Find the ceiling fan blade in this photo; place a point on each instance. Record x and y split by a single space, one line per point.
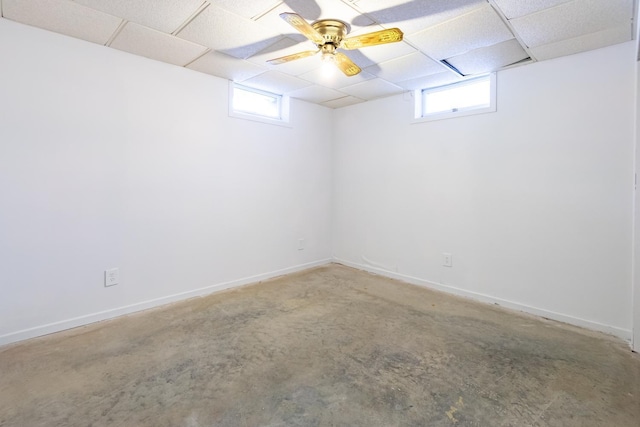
346 65
391 35
298 22
292 57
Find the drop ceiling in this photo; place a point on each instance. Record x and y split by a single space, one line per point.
444 40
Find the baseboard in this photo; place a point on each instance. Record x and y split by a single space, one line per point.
624 334
145 305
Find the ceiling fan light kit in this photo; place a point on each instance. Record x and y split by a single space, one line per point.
329 36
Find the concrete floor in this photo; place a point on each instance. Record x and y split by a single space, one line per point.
331 346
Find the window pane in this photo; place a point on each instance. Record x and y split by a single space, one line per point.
257 103
475 94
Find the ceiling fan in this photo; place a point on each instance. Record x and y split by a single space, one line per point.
329 35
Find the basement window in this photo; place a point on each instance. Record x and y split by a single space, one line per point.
473 96
258 105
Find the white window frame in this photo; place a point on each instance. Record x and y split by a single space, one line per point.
283 101
419 96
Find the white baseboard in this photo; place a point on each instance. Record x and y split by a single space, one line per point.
624 334
144 305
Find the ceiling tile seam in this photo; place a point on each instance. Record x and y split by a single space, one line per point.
261 14
506 21
387 81
193 16
207 50
196 57
437 61
117 32
515 64
361 12
355 9
340 97
452 68
335 99
565 4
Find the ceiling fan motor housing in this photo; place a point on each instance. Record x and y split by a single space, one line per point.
332 30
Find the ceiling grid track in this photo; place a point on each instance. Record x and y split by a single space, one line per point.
116 32
445 67
198 57
266 12
195 14
513 31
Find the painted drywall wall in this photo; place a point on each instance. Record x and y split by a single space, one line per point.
112 160
636 252
636 257
534 202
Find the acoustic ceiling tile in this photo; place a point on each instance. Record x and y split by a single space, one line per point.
162 15
157 45
482 27
308 9
515 8
64 17
246 9
345 101
415 16
360 57
327 9
224 66
316 94
246 51
283 47
372 89
221 30
383 52
590 41
334 78
572 19
490 58
276 82
406 68
298 67
433 80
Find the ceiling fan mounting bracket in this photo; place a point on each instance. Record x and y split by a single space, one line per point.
332 30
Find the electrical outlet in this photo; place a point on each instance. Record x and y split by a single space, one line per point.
300 244
111 277
447 259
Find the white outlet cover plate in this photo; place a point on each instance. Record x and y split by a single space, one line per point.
447 260
111 277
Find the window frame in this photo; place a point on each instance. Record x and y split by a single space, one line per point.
283 106
419 97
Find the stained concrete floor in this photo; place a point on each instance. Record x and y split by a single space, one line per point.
331 346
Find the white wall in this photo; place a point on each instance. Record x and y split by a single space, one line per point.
112 160
636 260
533 201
